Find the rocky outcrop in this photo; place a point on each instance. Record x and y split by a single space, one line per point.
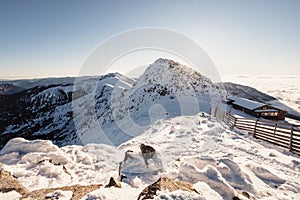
10 183
164 183
79 191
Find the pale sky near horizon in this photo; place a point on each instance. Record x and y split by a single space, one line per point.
53 38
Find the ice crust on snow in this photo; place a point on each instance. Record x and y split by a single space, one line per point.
219 162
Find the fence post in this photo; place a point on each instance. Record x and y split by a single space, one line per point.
234 122
216 109
275 128
291 138
227 118
254 131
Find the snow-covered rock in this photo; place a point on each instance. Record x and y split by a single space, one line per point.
218 162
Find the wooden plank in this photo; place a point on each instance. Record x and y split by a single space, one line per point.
286 139
266 124
275 134
296 146
245 127
274 138
273 142
295 150
296 133
285 145
286 132
291 138
296 142
278 132
246 120
286 126
279 139
295 138
273 122
280 128
245 123
265 128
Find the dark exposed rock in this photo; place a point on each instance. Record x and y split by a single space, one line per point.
164 183
113 182
246 194
79 191
147 152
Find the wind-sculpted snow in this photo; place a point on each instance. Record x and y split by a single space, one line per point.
217 162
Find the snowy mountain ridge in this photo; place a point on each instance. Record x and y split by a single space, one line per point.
68 113
166 89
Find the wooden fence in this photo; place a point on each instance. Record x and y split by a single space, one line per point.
282 134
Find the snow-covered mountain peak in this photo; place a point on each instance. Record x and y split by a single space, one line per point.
175 76
166 89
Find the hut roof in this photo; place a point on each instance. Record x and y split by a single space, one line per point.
246 103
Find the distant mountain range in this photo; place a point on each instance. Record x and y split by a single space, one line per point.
71 110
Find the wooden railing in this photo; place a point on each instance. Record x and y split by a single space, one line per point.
282 134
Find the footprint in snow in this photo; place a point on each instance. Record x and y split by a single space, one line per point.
295 162
234 176
154 130
210 125
267 177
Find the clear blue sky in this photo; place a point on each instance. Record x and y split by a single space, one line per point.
41 38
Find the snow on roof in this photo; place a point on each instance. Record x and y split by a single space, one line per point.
267 110
246 103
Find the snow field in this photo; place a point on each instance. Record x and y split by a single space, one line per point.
219 162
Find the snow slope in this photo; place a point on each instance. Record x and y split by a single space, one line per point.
166 89
219 162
